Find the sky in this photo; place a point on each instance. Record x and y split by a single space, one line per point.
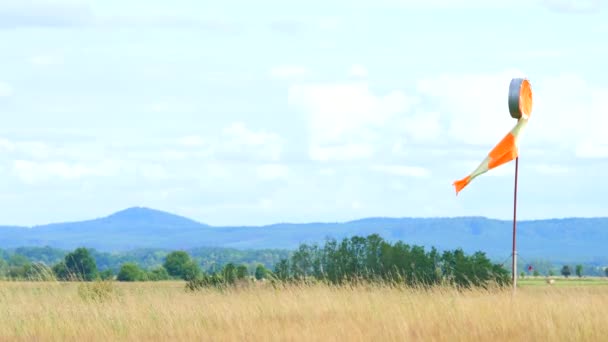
240 112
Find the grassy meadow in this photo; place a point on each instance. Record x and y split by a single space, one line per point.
566 311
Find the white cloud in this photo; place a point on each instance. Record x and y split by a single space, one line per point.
343 152
550 169
31 172
5 90
44 13
153 172
238 141
272 171
475 106
288 71
423 126
6 145
456 4
574 6
343 117
402 170
588 149
357 70
191 141
45 60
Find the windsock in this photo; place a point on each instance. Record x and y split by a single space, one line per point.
520 107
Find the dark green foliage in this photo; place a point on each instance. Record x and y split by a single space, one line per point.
80 265
205 281
179 265
158 273
176 262
131 272
261 272
229 275
373 259
106 274
242 272
606 271
281 270
566 271
61 271
579 270
3 269
18 260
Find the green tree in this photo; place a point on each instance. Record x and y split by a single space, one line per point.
107 274
3 269
80 265
566 271
130 272
191 271
242 272
61 271
229 273
579 270
179 264
261 272
606 271
536 273
281 269
18 260
157 274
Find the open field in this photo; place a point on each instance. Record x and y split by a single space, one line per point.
164 311
561 281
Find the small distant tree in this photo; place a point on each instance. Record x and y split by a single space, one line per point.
130 272
229 273
179 264
606 271
261 272
522 275
242 272
281 269
60 271
80 265
107 274
551 273
157 274
535 273
579 270
566 271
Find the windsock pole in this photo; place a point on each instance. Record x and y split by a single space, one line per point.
514 266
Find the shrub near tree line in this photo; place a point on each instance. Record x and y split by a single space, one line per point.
373 259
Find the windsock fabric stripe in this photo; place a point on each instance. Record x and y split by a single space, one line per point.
504 152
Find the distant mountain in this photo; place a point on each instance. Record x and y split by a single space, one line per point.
567 239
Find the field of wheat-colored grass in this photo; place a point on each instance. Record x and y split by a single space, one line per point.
165 311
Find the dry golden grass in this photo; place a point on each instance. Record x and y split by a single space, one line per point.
164 311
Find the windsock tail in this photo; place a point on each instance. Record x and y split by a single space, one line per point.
460 184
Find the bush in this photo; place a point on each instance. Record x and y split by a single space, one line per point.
98 291
131 272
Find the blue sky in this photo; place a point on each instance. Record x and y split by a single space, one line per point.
235 112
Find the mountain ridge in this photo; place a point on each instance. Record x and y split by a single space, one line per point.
141 227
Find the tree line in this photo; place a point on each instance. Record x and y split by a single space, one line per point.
355 259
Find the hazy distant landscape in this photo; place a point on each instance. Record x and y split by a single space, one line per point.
561 240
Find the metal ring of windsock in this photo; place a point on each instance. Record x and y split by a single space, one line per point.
520 107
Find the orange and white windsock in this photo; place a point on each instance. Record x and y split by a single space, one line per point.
520 107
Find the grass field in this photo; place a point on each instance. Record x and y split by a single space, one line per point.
164 311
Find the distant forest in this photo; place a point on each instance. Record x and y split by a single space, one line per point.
356 257
209 259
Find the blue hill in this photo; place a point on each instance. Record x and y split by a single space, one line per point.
134 228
